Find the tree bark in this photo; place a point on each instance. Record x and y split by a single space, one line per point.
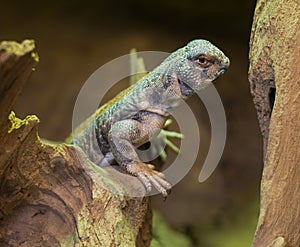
274 76
51 195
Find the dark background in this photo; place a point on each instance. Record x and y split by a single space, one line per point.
75 38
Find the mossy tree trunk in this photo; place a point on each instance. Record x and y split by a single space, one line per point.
274 76
50 195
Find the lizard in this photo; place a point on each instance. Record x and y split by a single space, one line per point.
138 71
139 113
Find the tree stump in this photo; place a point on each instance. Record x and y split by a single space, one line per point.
52 195
274 76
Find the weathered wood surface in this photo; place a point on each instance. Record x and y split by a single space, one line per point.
50 195
274 76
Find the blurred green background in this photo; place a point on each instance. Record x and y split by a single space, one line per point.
75 38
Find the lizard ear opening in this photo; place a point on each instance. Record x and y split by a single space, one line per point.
185 89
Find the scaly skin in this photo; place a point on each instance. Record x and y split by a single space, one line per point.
139 113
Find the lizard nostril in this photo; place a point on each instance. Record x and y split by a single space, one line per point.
222 70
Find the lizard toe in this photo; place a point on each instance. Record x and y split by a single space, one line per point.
160 174
161 185
146 182
151 166
163 182
148 176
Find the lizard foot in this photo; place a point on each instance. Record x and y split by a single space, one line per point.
148 176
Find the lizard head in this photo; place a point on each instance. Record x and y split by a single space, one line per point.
199 63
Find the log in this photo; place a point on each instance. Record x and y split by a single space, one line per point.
51 194
274 76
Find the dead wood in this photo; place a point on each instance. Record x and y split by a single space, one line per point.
51 195
274 76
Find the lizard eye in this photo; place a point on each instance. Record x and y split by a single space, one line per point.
203 61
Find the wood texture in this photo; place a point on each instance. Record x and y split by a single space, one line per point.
51 195
274 76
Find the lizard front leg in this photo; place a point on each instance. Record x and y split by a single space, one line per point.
127 134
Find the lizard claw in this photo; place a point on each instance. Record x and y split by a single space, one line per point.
148 176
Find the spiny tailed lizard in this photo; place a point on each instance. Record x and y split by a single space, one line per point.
139 113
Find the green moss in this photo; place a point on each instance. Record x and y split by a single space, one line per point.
35 56
19 49
112 228
16 123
